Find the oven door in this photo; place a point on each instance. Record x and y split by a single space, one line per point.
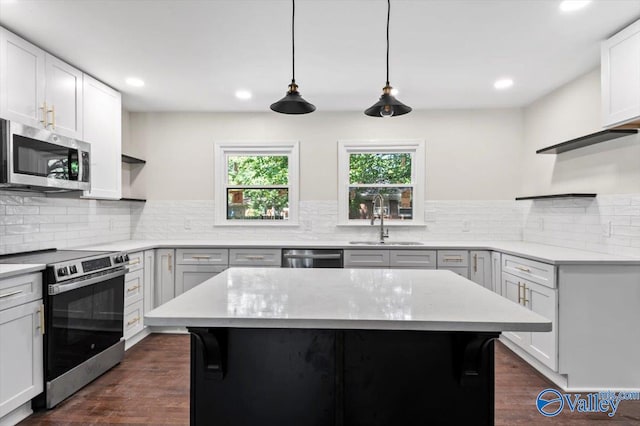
42 159
84 318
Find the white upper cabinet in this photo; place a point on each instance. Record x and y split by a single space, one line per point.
621 77
38 89
102 122
22 80
63 95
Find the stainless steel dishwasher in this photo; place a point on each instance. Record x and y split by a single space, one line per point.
312 258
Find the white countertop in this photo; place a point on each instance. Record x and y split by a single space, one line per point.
541 252
10 270
380 299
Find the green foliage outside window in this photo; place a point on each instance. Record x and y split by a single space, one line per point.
380 168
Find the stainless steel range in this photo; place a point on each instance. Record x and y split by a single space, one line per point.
84 306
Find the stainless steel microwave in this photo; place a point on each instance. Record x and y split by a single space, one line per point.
37 159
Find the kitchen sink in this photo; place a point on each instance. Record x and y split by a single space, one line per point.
386 243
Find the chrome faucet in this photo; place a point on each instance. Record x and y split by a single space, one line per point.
380 199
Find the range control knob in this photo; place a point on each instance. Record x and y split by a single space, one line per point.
73 269
62 272
126 257
119 259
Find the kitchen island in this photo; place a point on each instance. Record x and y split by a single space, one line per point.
342 346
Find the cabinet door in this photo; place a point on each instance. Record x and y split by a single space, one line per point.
149 274
543 301
133 287
102 129
22 80
255 257
620 73
418 259
189 276
366 259
63 94
164 276
496 271
512 290
480 269
21 355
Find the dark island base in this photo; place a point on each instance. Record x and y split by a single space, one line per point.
303 377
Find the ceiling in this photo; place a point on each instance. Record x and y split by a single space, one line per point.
194 54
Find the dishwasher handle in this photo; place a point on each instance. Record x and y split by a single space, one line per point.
313 256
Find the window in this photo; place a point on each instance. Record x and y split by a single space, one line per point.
257 183
392 169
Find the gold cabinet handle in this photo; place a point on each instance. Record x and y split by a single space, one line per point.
452 259
13 293
519 293
475 262
255 257
134 288
523 269
200 257
133 321
524 295
53 116
169 261
134 261
40 325
45 114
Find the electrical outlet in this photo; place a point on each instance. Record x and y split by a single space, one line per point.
606 229
466 226
187 223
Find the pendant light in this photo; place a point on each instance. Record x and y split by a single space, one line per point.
388 105
293 103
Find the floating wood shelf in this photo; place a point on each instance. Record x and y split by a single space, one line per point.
594 138
132 160
142 200
542 197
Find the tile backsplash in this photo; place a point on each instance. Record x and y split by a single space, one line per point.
607 224
32 221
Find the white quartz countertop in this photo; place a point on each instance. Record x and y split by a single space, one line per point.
541 252
380 299
10 270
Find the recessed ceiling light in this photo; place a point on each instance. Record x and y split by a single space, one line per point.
503 83
243 94
135 82
573 5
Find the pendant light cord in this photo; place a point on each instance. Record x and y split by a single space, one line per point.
388 16
293 42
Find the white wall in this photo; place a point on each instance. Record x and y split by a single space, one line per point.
470 155
572 111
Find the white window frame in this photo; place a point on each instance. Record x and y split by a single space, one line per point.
224 149
416 147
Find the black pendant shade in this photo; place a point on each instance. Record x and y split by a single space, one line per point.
293 103
387 105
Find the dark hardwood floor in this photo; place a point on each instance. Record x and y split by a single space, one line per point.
151 387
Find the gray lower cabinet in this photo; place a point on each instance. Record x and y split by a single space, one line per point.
454 260
496 271
414 259
149 279
255 257
189 276
164 276
480 268
366 258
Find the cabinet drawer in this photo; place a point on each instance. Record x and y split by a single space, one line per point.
460 270
254 257
15 291
541 273
455 258
200 256
133 319
366 258
133 286
136 261
425 259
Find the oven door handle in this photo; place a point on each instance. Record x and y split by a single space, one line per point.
62 288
